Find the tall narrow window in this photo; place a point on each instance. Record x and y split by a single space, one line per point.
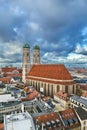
66 89
58 88
73 89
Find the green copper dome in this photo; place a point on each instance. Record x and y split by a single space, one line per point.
26 46
36 47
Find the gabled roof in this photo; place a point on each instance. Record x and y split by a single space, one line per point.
49 117
5 79
83 87
51 72
1 126
31 96
62 95
9 69
82 113
14 75
70 118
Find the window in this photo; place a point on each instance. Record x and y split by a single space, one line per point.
27 54
66 89
58 88
84 122
73 89
48 90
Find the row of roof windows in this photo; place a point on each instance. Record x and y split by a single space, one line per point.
70 121
50 124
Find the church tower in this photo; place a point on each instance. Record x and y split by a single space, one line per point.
36 55
26 62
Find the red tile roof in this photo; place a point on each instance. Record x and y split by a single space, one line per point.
5 79
84 94
14 75
1 126
26 89
48 118
31 96
50 73
20 71
8 69
69 114
46 98
83 87
62 95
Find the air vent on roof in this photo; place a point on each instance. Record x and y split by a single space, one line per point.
75 120
48 124
53 123
43 126
58 122
70 121
65 122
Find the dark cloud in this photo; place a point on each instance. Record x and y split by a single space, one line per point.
55 25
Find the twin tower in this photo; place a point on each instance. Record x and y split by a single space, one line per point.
26 64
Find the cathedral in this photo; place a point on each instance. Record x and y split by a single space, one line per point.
46 78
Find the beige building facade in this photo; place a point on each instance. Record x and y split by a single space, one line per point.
49 89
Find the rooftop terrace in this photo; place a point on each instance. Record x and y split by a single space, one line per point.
21 121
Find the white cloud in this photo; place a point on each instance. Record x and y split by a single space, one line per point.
77 58
34 26
84 31
70 59
13 48
81 48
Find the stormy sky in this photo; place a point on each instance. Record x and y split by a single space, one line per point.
59 27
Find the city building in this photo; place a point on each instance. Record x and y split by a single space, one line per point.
10 75
77 101
10 72
36 107
83 89
8 105
49 121
46 78
5 80
32 95
82 116
63 120
62 98
19 121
